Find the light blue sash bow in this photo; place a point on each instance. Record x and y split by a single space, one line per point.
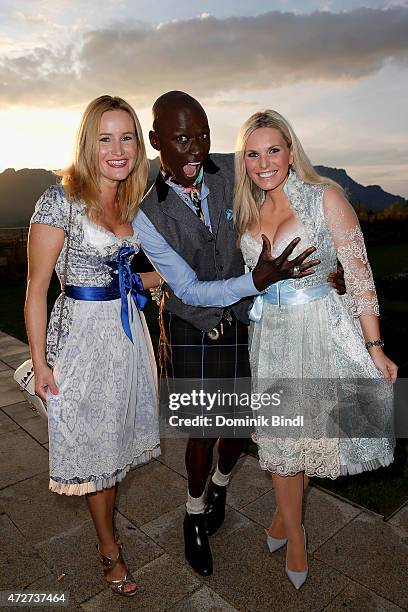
284 293
124 281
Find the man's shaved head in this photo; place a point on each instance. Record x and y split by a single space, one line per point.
181 134
170 103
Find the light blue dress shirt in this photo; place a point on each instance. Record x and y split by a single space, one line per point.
178 274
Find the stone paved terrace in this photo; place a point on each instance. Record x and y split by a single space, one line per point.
357 561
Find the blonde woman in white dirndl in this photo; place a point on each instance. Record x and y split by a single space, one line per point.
95 365
322 349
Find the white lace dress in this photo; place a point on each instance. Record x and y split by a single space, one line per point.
315 352
104 419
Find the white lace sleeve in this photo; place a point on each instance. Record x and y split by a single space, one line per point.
348 239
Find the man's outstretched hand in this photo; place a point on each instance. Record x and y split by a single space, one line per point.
269 270
336 280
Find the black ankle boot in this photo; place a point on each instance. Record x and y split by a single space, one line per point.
214 507
197 549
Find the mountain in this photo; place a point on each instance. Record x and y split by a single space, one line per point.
373 196
19 190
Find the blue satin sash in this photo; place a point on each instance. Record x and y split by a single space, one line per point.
124 281
284 293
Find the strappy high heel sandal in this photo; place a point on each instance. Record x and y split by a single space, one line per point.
117 586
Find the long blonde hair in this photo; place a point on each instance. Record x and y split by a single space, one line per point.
247 195
80 180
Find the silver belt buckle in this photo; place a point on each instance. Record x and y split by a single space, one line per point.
213 334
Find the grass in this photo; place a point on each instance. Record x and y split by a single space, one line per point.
382 491
12 305
387 259
393 305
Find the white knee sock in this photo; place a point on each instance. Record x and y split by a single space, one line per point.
220 479
195 505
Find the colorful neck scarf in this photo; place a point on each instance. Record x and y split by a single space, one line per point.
193 191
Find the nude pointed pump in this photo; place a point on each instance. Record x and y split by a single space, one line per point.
275 544
298 578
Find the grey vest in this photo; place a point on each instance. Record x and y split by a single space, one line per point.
212 255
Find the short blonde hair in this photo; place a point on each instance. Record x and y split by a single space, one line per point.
80 180
247 195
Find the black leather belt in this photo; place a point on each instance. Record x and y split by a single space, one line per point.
224 324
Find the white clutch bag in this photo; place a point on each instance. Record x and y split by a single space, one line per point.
24 376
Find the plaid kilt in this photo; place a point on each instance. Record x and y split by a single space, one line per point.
221 364
193 355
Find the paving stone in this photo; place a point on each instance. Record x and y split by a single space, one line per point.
15 354
21 412
20 458
252 579
167 530
172 454
204 600
248 482
16 360
37 427
20 564
9 343
50 584
9 390
73 553
161 584
356 598
6 424
150 491
400 519
324 514
53 514
372 552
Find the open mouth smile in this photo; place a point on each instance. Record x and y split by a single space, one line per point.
116 163
191 168
268 174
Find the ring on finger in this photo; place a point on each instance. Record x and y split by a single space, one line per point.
296 271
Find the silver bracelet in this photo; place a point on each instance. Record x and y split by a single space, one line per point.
157 292
371 343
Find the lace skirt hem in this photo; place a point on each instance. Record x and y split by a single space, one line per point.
343 470
77 486
365 466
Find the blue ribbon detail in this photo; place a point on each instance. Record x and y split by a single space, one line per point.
285 293
124 281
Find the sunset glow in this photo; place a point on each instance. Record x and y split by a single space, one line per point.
346 98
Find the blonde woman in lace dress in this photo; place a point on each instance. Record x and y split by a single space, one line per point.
95 366
303 332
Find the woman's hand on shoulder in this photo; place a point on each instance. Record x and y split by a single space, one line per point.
384 364
44 380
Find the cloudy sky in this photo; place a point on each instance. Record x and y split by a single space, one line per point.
336 69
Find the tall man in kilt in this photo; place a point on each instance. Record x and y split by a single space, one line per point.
186 229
